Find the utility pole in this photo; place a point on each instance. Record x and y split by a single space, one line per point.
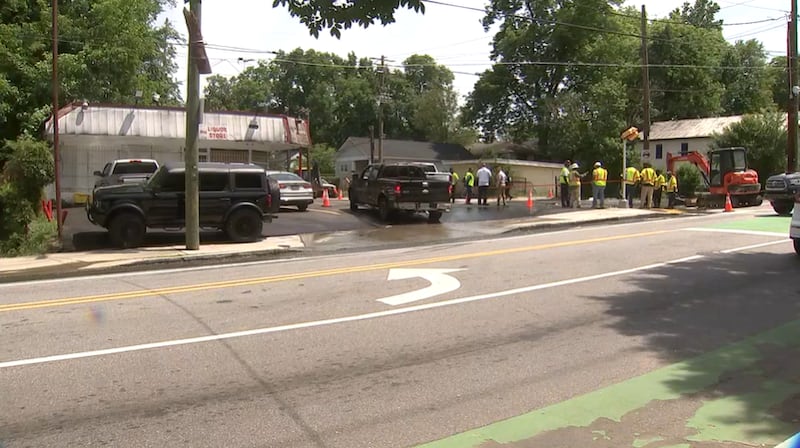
794 93
381 98
645 85
198 63
56 148
371 144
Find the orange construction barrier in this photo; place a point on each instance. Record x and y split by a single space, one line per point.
550 194
530 199
326 201
340 197
728 204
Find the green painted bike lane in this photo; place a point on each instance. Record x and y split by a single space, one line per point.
744 394
772 224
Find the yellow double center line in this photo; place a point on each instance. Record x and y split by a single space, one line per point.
304 275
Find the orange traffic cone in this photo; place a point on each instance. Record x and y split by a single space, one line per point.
341 198
326 201
550 194
728 204
530 199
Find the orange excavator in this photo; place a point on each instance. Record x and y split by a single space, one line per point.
725 172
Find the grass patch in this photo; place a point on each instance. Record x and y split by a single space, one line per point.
40 238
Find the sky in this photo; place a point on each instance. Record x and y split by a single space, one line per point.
250 29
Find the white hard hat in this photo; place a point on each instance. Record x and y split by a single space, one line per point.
598 164
574 166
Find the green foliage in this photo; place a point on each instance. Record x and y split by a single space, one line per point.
324 155
39 238
319 14
108 49
689 180
778 82
28 170
747 90
341 96
765 138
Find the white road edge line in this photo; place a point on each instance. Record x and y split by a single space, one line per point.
752 246
333 321
323 257
739 231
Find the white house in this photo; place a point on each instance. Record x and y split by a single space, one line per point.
681 136
91 135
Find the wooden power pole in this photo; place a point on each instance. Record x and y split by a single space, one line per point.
645 85
56 146
381 102
198 63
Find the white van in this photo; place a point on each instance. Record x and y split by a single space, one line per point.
794 228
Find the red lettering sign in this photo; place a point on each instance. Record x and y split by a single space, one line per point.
217 132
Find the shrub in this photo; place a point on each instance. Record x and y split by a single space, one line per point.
689 180
28 169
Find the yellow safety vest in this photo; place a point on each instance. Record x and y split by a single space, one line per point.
454 178
599 176
672 184
470 179
648 176
564 175
574 179
661 181
631 175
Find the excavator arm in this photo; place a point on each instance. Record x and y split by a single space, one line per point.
693 157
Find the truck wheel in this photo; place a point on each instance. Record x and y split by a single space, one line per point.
434 217
244 226
783 207
797 245
383 209
127 230
302 207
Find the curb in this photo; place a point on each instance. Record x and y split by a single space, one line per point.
561 225
147 264
793 442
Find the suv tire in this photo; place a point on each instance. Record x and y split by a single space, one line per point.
796 245
244 225
434 217
302 207
127 230
783 207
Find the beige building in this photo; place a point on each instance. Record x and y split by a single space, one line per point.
539 177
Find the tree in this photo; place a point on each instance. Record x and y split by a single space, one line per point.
765 137
745 78
319 14
701 14
779 82
108 49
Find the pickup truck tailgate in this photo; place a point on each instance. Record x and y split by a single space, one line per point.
422 191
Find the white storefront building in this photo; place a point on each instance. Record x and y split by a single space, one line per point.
92 135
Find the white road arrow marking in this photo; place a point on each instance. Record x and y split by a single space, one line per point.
441 283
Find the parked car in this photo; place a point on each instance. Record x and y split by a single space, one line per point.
294 190
401 186
124 171
325 185
235 198
432 171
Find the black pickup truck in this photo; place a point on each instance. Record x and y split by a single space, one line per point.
393 187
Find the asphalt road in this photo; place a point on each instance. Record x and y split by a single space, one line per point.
302 353
81 235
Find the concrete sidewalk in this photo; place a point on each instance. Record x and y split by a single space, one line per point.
64 264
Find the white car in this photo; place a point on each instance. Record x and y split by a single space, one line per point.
794 228
294 190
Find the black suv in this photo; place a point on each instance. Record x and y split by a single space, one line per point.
235 198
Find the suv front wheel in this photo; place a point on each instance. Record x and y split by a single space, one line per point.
244 226
127 230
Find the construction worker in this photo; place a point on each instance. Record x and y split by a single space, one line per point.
599 178
502 181
631 179
575 186
453 185
469 183
563 181
660 186
484 181
648 180
672 189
